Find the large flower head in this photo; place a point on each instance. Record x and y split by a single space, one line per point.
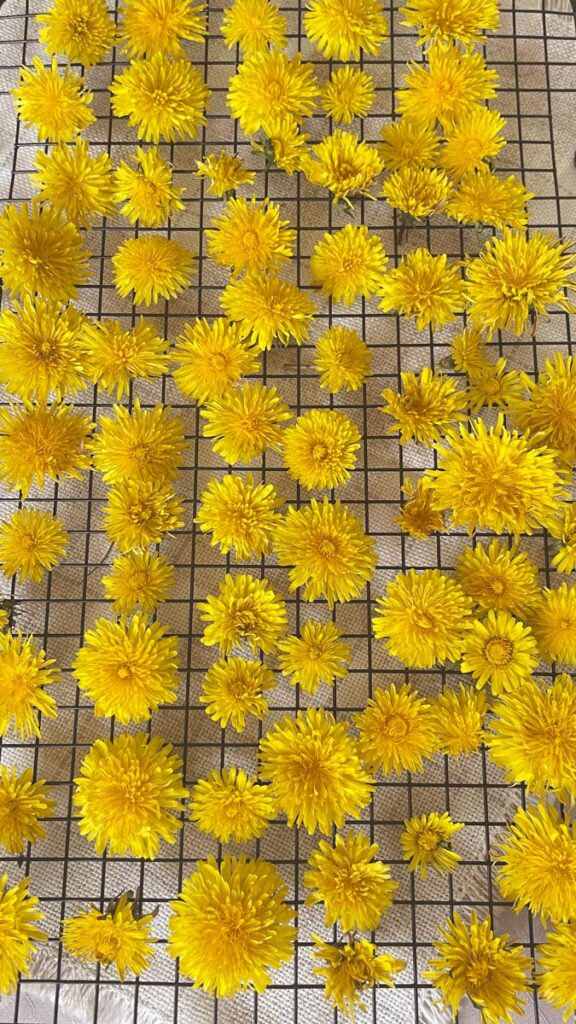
42 349
234 688
147 190
230 805
270 84
459 720
424 843
254 26
349 93
245 608
462 21
120 936
245 422
41 253
342 359
425 287
240 515
553 622
397 730
25 672
56 105
230 925
320 449
19 916
343 164
153 267
329 552
408 142
268 309
317 656
139 514
39 442
448 86
471 140
556 969
428 406
211 358
351 968
417 191
75 183
82 30
224 171
340 29
139 579
485 198
355 888
114 356
22 803
348 264
142 446
314 769
499 651
250 236
548 406
164 99
149 27
31 543
128 795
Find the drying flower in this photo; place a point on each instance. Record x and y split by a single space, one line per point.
229 805
565 558
41 252
129 795
349 93
31 543
158 26
230 925
245 422
56 105
240 515
147 190
348 264
350 969
245 608
25 671
42 349
144 446
498 577
408 143
22 803
317 656
467 350
472 139
224 171
211 358
283 143
485 198
249 236
39 441
447 87
115 356
341 30
138 579
80 29
253 25
425 287
424 843
500 651
549 408
428 406
164 99
268 309
490 386
139 514
423 618
119 937
75 183
463 21
234 688
553 622
270 84
417 517
329 552
18 918
356 889
343 164
320 449
153 267
459 720
342 359
396 731
556 976
417 191
315 772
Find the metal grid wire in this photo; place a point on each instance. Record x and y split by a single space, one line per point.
532 53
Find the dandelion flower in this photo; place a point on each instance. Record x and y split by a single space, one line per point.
39 441
115 356
250 236
240 515
56 105
427 407
408 143
42 349
424 843
343 164
211 358
139 514
340 30
329 552
467 350
463 21
491 386
120 937
425 287
472 139
245 422
417 191
229 805
138 580
498 577
484 198
459 720
153 267
315 772
349 93
224 171
253 25
342 359
447 87
41 252
499 650
356 889
270 84
147 190
565 558
150 27
553 622
417 517
234 688
80 29
556 975
423 618
22 803
245 608
396 731
317 656
352 968
320 449
75 183
549 407
19 915
143 446
268 309
230 925
25 671
31 543
282 143
348 264
164 99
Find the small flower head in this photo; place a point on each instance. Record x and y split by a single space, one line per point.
245 422
138 580
230 805
425 287
449 85
25 671
553 622
240 515
153 267
356 889
317 656
142 446
319 451
268 309
342 359
349 93
163 99
396 731
498 577
282 143
549 406
114 356
56 105
41 252
471 140
352 968
340 30
39 442
490 385
428 406
408 142
484 198
75 183
254 26
500 651
459 720
211 358
247 609
22 803
150 27
348 264
461 21
250 236
417 517
343 164
42 350
224 171
424 843
417 191
270 84
31 543
234 688
19 916
468 350
556 972
82 30
147 190
118 937
139 514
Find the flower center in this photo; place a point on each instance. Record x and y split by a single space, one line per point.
478 969
140 514
499 651
245 621
428 840
425 621
396 727
328 548
496 586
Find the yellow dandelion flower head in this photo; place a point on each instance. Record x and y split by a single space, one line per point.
143 445
396 731
549 407
56 105
498 577
556 975
211 358
314 769
283 143
25 672
31 543
348 264
467 350
424 843
423 618
75 183
340 29
41 441
42 349
163 98
342 359
330 554
253 25
230 925
463 21
22 803
268 309
470 140
230 805
499 651
493 478
343 164
317 656
153 267
356 889
553 622
428 405
240 515
225 172
320 449
147 189
447 86
234 688
19 915
245 608
41 253
245 422
114 356
417 191
491 386
119 937
250 236
138 580
417 517
82 30
348 93
150 27
537 863
459 720
484 198
565 558
271 81
424 287
408 142
471 960
350 969
139 513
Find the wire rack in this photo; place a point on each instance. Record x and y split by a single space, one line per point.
533 53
